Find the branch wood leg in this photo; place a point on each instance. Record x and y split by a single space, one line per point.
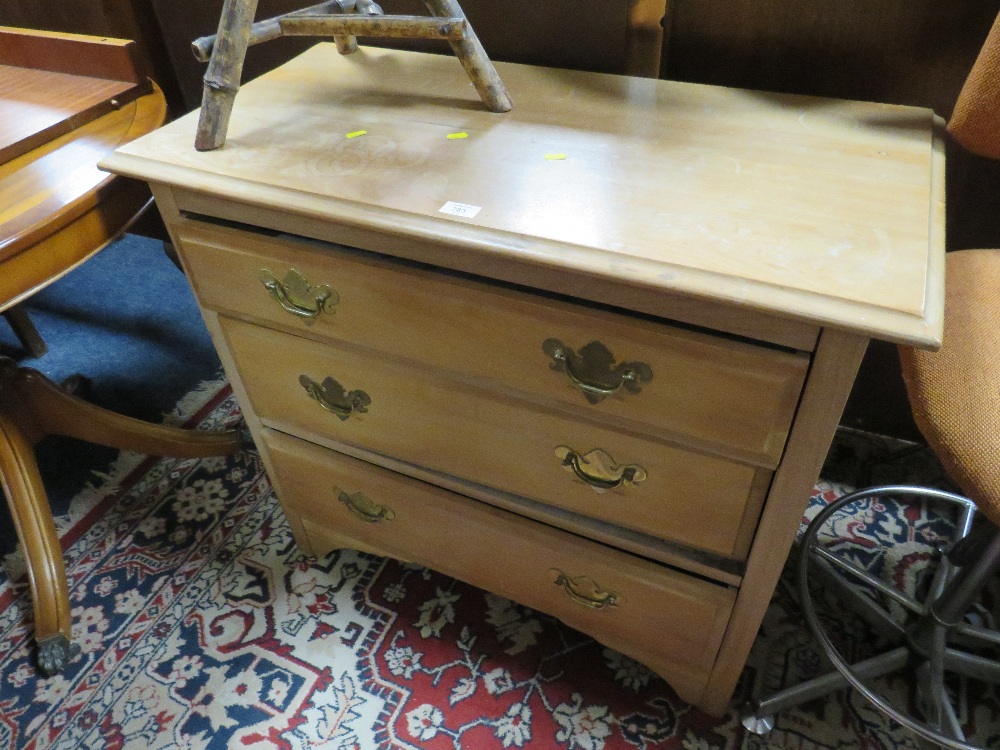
222 79
265 31
474 59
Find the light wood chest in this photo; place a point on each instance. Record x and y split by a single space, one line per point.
605 394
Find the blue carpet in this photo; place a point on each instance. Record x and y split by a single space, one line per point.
127 320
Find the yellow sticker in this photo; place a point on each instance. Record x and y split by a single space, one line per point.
456 136
356 133
554 157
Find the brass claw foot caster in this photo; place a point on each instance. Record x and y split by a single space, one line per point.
54 653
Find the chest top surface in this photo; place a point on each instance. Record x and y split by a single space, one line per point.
823 210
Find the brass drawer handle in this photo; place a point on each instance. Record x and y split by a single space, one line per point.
599 470
585 591
364 507
594 372
296 295
333 397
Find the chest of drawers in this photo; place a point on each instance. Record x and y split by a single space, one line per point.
607 392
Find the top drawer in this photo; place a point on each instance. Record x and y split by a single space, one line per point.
729 397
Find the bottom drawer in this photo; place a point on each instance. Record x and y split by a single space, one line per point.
669 620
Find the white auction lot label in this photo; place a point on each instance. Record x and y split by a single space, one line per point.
460 209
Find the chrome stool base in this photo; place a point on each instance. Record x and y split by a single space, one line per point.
925 648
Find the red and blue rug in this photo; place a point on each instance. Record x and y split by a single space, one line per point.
202 626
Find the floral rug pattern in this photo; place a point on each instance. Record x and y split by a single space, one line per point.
202 626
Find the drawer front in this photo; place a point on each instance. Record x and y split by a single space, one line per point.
420 418
715 394
626 602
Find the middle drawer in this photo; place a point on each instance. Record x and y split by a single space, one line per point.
314 389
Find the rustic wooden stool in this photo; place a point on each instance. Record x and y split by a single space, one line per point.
344 20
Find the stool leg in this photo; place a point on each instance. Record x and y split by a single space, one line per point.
37 533
961 592
222 79
346 45
929 635
474 59
760 718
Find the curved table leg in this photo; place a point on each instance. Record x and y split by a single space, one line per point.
31 407
56 412
37 533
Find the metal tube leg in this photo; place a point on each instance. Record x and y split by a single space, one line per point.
938 709
971 665
760 721
872 613
963 590
936 696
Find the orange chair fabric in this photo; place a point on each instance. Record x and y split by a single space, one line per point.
975 123
955 392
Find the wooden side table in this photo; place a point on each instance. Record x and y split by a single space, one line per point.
66 102
589 356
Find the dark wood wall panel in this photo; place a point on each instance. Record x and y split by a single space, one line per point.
899 51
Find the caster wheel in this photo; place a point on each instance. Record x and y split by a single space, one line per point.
755 723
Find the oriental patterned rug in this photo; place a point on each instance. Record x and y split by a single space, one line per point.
201 626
